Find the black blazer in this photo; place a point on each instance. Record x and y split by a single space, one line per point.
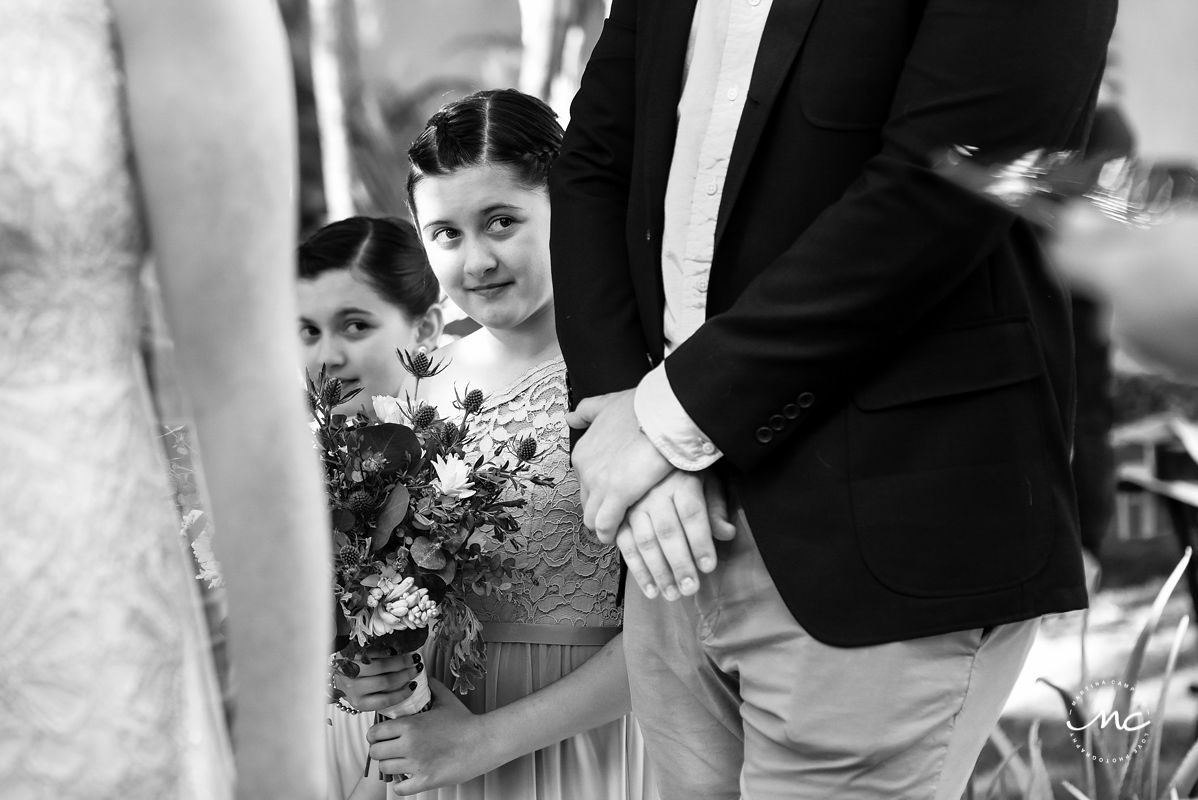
886 362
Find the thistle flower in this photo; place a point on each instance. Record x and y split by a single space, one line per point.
472 403
526 448
453 477
350 556
423 416
359 502
419 365
450 433
330 392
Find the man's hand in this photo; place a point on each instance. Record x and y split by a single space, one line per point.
616 463
671 530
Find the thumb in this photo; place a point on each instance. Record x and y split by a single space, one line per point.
722 527
584 413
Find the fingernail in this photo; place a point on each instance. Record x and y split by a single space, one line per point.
671 593
412 686
419 668
688 585
650 592
707 563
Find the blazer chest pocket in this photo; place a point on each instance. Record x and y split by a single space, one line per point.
851 62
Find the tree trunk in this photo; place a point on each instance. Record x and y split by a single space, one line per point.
327 19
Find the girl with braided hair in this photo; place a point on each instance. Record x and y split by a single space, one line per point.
550 720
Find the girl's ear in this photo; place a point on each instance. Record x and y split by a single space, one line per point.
429 327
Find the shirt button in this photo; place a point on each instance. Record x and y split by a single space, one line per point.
806 399
790 411
708 448
754 3
732 93
701 285
765 435
712 188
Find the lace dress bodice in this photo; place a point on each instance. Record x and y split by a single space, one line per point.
577 577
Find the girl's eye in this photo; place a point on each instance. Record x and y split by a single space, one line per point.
309 334
356 327
444 235
500 223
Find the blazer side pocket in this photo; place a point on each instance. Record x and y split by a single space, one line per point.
949 466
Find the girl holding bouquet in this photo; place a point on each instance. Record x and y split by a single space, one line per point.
365 289
550 719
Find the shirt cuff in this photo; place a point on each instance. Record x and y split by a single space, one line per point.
667 425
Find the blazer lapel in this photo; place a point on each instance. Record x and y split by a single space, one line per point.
785 30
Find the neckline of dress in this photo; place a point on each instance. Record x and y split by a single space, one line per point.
495 399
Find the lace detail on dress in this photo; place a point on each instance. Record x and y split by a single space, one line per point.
577 576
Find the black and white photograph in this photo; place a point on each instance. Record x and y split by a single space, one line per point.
598 399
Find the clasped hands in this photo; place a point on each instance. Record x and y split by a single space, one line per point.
446 745
664 520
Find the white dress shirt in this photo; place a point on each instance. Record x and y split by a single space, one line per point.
720 54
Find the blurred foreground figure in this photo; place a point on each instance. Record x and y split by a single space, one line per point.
127 127
1148 275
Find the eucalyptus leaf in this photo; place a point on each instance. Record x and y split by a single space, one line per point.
428 554
344 519
393 513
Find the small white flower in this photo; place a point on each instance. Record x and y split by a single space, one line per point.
206 560
453 477
387 409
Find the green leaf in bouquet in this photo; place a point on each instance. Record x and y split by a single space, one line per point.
427 553
447 572
395 444
393 513
452 541
344 520
421 522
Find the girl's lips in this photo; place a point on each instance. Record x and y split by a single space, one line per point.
489 289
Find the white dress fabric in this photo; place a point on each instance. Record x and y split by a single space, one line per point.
106 680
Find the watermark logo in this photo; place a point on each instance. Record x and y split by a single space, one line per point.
1133 725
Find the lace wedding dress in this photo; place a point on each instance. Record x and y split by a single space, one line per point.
550 627
106 685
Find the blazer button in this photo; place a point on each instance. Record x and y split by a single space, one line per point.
790 411
765 435
777 422
806 399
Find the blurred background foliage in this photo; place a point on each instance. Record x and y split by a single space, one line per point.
369 73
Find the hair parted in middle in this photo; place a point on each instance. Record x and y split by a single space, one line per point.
496 127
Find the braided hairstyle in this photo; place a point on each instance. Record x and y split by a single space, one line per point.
386 252
494 127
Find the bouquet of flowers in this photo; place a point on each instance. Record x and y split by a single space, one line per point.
420 520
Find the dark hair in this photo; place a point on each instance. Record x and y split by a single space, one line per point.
496 127
386 251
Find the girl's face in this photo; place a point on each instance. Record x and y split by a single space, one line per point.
347 326
487 239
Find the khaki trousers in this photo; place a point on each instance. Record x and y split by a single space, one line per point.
736 700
